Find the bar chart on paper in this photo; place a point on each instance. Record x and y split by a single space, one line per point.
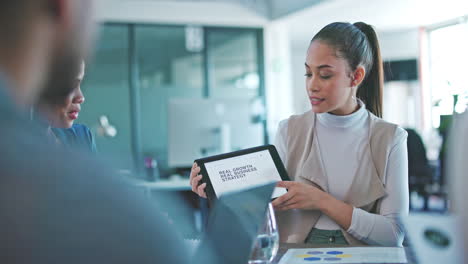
344 255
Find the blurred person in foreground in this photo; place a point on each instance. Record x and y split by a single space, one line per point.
58 206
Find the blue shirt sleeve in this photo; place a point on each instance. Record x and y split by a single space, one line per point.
77 137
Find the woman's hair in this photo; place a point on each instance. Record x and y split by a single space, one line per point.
358 44
56 96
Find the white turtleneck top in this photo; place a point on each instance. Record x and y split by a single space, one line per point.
342 141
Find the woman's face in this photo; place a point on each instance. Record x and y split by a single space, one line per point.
67 113
328 80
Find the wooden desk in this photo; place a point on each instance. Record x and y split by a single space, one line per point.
284 247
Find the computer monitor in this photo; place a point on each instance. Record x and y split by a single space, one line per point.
204 127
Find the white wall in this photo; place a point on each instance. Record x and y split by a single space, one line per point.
385 15
278 81
300 100
161 12
402 101
400 44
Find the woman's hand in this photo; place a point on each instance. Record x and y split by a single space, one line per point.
299 196
195 178
308 197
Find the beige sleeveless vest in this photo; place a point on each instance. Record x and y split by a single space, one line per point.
305 165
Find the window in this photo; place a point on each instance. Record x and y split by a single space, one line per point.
448 55
233 63
106 89
138 68
166 69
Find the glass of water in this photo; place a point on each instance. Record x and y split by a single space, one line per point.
267 242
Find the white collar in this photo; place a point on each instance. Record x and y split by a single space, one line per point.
345 121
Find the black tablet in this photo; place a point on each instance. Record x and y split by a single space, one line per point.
235 171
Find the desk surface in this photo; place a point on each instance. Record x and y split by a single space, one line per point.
284 247
176 184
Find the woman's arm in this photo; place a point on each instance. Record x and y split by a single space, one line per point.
384 228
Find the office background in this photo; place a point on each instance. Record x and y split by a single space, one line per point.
153 52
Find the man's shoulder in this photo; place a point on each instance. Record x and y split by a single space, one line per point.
48 190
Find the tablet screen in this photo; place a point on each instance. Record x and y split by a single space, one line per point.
245 171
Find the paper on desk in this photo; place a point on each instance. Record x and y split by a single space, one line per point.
344 255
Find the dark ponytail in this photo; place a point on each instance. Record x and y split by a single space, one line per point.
358 44
371 90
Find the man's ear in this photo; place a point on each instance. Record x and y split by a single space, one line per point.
358 76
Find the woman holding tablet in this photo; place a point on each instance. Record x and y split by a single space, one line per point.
349 167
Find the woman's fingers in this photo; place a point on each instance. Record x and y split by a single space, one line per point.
195 182
193 174
280 201
194 171
195 178
289 205
201 190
